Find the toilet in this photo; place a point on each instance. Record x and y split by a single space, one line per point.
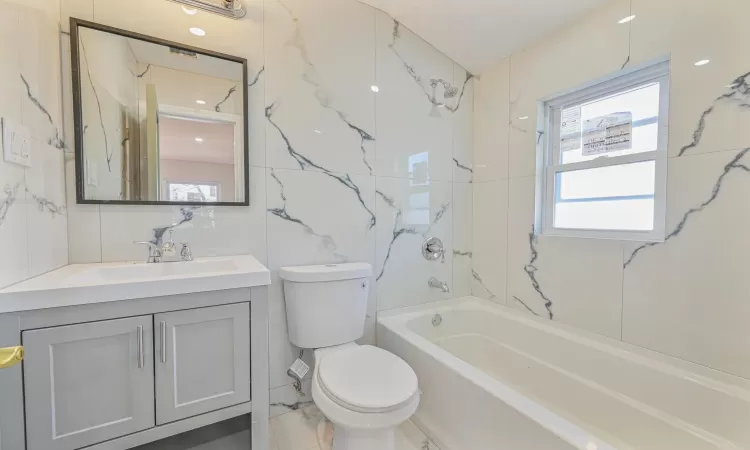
365 391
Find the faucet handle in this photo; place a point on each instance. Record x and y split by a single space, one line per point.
154 254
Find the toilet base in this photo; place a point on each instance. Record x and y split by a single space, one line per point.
352 439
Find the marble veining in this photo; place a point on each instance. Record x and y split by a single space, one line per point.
46 204
450 91
257 77
145 71
187 216
10 192
398 231
231 91
627 61
531 270
457 252
55 141
107 153
462 166
326 241
480 280
305 162
293 406
310 76
526 306
739 92
733 165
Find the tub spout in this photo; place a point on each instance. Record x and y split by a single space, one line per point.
437 284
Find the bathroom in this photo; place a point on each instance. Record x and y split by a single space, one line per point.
410 146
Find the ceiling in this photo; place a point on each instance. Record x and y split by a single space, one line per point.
479 33
177 141
159 55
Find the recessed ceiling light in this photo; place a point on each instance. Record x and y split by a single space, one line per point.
702 62
199 139
375 88
189 11
200 102
523 117
197 31
627 19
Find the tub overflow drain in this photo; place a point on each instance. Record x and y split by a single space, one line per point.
437 319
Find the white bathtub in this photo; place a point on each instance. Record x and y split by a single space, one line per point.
495 378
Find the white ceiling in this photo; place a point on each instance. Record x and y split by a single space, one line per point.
177 141
159 55
479 33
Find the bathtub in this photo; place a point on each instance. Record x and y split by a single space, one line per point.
494 378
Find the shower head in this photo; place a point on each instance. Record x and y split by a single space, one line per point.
227 8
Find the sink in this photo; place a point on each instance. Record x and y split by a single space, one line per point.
160 270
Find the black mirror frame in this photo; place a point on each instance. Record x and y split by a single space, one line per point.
78 112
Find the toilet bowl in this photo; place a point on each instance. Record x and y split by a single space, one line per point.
366 392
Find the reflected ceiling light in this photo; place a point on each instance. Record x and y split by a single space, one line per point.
200 102
523 117
702 62
189 11
627 19
197 31
375 88
199 139
318 131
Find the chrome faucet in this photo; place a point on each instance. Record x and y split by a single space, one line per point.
437 284
158 250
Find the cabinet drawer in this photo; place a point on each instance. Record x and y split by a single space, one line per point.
202 360
88 383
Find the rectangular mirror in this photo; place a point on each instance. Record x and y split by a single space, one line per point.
157 122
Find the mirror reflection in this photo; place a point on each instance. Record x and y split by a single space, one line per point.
157 122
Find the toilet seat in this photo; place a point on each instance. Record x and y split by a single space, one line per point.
367 379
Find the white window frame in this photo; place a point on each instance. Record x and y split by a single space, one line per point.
548 151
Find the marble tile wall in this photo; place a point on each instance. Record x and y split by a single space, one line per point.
33 225
339 172
685 297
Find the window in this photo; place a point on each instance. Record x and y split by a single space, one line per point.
193 192
603 159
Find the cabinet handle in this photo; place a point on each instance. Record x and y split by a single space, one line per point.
163 327
139 336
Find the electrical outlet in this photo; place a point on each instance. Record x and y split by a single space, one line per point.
16 142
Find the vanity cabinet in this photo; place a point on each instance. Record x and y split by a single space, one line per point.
91 382
88 383
202 360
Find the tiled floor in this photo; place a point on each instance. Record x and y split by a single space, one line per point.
308 429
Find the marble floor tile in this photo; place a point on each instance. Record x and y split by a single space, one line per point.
308 429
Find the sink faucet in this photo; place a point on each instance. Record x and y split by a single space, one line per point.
158 250
437 284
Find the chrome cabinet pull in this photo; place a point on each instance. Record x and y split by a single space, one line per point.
139 337
163 326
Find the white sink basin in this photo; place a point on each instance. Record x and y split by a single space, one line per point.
160 270
79 284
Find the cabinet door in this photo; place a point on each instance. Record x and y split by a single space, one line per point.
203 360
88 383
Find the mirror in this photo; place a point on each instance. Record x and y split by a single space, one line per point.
157 122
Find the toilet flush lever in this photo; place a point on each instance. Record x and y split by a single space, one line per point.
433 249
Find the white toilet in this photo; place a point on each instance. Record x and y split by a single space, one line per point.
365 391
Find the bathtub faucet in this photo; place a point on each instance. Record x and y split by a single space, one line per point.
437 284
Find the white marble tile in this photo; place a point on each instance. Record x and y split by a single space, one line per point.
463 136
286 399
46 215
491 119
410 211
490 234
319 72
687 296
592 47
14 266
414 119
574 281
462 255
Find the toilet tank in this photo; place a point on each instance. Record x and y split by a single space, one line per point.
326 305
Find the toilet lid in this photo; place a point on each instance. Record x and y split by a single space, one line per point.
367 379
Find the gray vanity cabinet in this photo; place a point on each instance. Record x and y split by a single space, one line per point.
88 383
202 360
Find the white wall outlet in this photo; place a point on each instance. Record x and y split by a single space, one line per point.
16 143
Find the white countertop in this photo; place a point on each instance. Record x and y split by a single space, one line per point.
82 284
